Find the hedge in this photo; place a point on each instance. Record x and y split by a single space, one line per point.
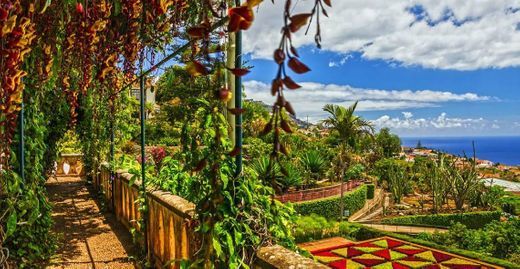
329 207
371 188
472 220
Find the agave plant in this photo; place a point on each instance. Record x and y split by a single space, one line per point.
283 177
290 177
313 163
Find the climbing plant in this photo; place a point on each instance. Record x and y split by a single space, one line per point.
87 52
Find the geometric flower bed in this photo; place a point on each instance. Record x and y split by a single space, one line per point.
391 253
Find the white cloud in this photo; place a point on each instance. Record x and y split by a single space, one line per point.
310 99
450 34
440 122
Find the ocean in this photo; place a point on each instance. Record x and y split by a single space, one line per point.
498 149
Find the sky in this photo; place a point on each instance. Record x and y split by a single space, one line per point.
418 67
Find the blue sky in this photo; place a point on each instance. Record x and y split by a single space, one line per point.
426 68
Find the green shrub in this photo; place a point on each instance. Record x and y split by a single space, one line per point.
370 191
511 204
329 207
313 227
472 220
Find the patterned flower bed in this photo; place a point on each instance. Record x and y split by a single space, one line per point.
391 253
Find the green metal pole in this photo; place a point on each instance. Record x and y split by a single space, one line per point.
112 160
21 145
143 167
238 99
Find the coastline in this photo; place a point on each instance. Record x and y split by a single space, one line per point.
497 149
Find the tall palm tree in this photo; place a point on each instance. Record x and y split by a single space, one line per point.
350 128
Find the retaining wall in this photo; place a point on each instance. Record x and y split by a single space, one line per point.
318 193
170 230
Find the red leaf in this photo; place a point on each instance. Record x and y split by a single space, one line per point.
236 111
196 69
289 108
284 150
298 21
279 56
3 14
267 129
276 85
327 2
234 23
239 71
294 51
235 152
240 18
285 126
280 101
200 165
197 32
290 84
297 66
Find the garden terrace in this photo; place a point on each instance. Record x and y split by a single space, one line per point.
173 173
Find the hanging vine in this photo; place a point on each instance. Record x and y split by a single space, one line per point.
86 52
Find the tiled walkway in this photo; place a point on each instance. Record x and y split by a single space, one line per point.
88 238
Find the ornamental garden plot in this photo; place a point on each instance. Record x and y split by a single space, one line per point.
390 253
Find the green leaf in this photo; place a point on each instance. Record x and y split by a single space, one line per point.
231 246
217 247
47 4
11 224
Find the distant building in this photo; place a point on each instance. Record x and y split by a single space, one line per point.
149 96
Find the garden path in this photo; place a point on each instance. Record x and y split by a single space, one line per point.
87 236
403 229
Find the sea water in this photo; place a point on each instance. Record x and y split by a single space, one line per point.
498 149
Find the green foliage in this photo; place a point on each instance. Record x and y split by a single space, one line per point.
389 143
499 239
255 148
348 126
396 175
313 163
370 191
29 220
284 177
173 178
69 144
354 172
329 207
511 204
472 220
312 227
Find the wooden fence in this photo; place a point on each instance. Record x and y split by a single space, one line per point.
170 233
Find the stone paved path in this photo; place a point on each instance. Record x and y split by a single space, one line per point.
88 238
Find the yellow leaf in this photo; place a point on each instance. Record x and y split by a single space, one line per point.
9 26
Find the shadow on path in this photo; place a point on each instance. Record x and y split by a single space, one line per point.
87 237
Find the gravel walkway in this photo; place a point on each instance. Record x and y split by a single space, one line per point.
88 238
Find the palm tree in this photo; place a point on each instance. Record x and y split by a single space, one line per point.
349 128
